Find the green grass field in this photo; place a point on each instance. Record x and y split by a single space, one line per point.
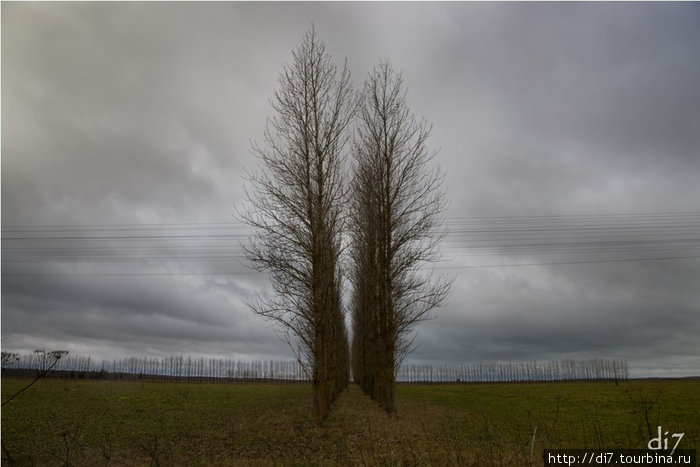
62 422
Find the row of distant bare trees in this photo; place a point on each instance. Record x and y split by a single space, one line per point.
303 209
172 367
554 370
201 369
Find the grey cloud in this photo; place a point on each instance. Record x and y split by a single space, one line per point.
579 311
160 313
128 113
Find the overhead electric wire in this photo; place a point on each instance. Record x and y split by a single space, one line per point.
555 263
577 239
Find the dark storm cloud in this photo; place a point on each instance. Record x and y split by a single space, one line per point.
551 314
562 104
142 113
98 99
164 313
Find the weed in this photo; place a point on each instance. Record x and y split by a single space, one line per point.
648 405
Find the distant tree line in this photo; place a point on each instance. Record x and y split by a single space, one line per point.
201 369
554 370
174 367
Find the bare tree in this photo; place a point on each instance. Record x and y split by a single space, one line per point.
9 357
397 204
47 360
296 206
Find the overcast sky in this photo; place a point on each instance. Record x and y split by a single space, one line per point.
569 135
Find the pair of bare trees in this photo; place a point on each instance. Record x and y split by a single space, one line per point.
302 209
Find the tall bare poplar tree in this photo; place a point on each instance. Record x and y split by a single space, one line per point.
397 204
295 207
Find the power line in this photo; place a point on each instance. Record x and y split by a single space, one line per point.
554 263
235 273
670 235
129 274
659 216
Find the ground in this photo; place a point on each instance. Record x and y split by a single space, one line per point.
68 422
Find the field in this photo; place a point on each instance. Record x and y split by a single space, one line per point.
69 422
